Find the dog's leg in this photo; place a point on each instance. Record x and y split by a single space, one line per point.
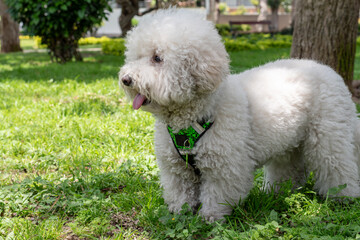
330 153
222 187
285 167
180 185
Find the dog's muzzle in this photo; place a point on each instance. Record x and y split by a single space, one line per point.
139 100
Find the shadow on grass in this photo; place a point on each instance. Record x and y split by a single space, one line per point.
98 204
38 67
82 192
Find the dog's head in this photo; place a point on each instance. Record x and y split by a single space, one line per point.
171 57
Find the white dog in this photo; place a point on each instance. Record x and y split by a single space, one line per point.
291 116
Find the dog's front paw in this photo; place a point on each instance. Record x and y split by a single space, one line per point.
174 208
212 216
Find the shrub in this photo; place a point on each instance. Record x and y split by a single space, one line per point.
114 47
241 10
224 29
82 41
93 40
236 45
223 7
249 42
59 23
38 43
134 22
257 41
25 37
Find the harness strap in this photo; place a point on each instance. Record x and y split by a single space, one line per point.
184 141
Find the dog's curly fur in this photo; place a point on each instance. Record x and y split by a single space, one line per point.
291 116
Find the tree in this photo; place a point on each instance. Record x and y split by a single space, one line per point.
211 9
274 6
262 14
292 13
10 31
130 9
326 30
59 23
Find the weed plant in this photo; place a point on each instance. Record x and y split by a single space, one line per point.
76 162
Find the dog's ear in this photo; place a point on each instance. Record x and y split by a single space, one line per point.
210 69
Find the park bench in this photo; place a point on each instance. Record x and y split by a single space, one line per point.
234 31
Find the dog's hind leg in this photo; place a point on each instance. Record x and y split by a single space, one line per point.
289 166
329 151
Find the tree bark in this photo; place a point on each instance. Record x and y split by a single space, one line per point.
10 31
326 31
211 11
129 8
262 15
292 13
274 6
274 19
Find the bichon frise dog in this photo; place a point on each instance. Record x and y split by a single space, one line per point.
214 129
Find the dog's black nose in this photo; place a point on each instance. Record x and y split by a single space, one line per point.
127 80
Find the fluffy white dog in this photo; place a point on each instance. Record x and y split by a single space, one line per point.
291 116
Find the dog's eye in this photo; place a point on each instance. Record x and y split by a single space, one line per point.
157 59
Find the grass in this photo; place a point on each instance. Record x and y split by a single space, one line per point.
76 162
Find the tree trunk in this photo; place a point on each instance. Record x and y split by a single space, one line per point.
10 31
129 8
292 14
262 15
63 50
274 19
211 11
326 30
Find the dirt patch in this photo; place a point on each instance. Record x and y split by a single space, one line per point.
69 235
126 221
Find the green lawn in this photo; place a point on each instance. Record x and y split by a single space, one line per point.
77 162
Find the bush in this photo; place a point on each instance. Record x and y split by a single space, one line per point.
59 23
232 45
25 37
134 22
224 29
82 41
257 41
38 43
114 47
223 7
93 40
249 42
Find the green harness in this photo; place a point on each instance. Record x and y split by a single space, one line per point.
184 141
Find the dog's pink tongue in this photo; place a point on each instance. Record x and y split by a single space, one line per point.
138 101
